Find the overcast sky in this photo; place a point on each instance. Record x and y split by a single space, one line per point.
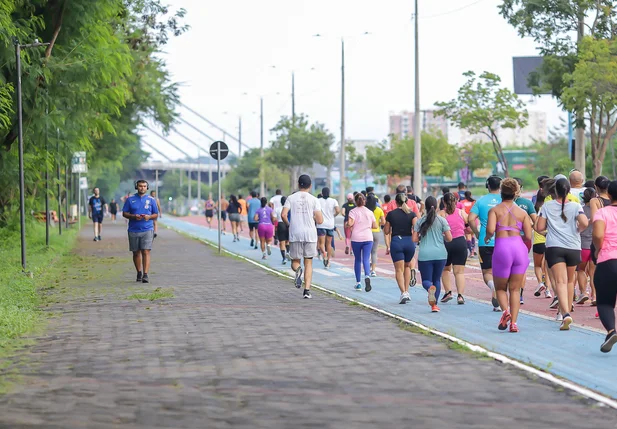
233 45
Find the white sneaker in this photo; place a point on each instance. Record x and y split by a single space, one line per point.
541 288
269 250
373 274
559 317
407 297
403 299
548 294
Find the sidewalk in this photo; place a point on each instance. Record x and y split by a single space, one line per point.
238 347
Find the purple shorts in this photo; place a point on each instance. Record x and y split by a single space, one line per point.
265 230
510 257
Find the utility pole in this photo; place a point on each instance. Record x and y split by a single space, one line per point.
198 177
417 165
341 197
47 220
580 149
239 137
293 98
58 179
262 188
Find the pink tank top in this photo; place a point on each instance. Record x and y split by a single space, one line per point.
457 224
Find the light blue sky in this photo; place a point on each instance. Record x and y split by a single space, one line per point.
233 44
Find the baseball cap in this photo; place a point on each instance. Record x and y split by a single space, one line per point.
350 196
304 181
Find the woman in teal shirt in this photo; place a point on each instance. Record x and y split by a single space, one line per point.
431 231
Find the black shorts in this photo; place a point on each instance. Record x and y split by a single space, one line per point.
114 212
539 248
556 255
457 252
224 215
253 226
282 232
486 257
97 218
209 213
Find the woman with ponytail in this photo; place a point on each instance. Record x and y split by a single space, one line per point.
431 231
399 225
361 222
457 248
564 221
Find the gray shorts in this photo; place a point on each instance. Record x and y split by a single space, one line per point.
234 217
302 250
140 240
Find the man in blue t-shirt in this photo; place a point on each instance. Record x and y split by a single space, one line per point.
252 206
480 211
97 207
141 209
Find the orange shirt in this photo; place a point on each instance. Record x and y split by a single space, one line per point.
242 206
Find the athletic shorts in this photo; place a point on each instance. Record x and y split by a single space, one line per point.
114 212
486 257
302 250
556 255
234 217
97 218
209 213
457 252
253 225
585 255
224 215
402 249
265 230
141 240
282 232
539 249
321 232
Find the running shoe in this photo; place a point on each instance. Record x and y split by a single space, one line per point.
505 319
99 237
347 250
284 261
367 284
288 256
154 236
558 317
403 299
495 302
447 297
407 297
547 293
412 282
373 274
358 286
496 309
594 303
234 238
432 301
434 309
96 239
264 256
307 294
252 242
566 322
554 304
522 300
597 316
513 327
460 300
609 342
325 263
139 276
298 278
145 279
582 299
269 250
541 288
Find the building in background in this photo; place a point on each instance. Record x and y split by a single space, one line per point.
362 145
536 130
403 124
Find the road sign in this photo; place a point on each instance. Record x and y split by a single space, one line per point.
214 152
79 163
83 183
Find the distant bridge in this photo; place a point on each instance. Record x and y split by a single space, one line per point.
208 171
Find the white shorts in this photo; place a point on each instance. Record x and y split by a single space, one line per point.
302 250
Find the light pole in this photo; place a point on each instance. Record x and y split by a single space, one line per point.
262 187
417 137
20 137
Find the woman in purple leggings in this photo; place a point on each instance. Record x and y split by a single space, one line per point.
511 257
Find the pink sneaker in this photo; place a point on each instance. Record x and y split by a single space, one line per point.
503 323
513 327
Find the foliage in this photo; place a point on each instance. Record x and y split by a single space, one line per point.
99 79
245 178
482 107
592 88
439 158
477 154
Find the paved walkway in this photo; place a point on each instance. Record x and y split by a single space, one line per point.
237 347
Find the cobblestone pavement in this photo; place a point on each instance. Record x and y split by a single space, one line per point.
238 347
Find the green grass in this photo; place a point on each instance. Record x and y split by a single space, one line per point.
20 293
156 294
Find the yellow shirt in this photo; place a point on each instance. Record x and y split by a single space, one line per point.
378 212
539 238
571 197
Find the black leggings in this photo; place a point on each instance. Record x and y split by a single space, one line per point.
606 292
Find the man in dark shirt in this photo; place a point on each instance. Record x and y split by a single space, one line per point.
97 207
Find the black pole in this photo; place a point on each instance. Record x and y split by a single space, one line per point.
59 186
20 136
47 220
66 195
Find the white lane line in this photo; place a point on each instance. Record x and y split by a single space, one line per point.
346 270
384 271
325 272
497 356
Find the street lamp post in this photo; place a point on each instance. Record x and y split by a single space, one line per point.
341 197
262 187
417 166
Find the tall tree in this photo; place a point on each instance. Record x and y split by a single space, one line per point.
483 106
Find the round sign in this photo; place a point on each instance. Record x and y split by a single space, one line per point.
219 150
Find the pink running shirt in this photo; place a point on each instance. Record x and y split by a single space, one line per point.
363 221
608 215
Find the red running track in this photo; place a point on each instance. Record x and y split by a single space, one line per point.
475 288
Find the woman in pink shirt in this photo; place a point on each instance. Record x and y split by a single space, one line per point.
605 243
362 222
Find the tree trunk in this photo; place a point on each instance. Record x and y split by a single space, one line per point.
500 155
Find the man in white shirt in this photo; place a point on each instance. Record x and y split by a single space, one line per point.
325 230
305 213
276 200
577 182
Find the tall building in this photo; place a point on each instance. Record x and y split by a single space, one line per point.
403 124
536 130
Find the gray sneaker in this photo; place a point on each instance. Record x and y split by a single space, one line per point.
298 278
